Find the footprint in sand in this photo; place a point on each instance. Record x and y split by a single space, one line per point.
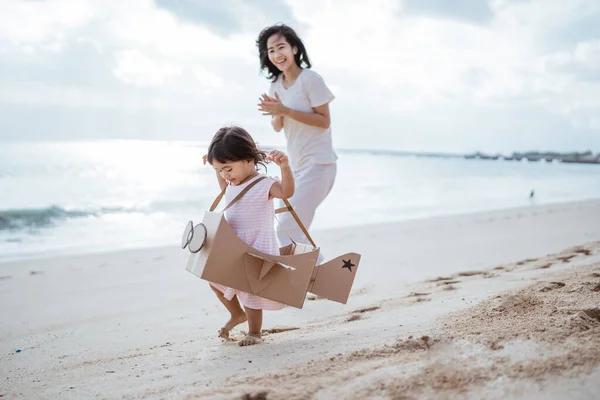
417 294
566 259
448 283
364 310
255 396
167 344
553 285
439 279
3 278
528 260
36 272
545 266
356 314
421 299
469 273
496 346
583 251
278 330
488 275
593 313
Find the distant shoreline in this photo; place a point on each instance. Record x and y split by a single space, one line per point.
573 158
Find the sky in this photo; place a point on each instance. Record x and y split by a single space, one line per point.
413 75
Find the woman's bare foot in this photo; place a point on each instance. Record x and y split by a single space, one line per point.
234 321
250 339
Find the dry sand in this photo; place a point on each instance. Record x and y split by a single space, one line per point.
492 305
513 345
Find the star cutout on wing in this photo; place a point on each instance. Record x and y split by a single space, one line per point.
348 264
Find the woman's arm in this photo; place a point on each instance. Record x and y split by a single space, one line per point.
277 123
276 120
319 118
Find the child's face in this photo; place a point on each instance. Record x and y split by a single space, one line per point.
235 172
281 53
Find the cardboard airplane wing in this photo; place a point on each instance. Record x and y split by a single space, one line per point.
218 255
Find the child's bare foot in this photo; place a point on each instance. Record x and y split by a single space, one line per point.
250 339
234 321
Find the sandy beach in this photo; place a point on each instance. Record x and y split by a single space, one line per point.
502 304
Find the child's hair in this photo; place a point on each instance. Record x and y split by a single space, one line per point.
233 143
292 38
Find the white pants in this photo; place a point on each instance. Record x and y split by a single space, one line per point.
313 184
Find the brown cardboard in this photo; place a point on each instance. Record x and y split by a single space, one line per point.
286 278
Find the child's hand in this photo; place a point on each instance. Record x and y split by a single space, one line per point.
279 158
271 106
204 158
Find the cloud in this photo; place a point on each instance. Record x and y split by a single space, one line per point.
137 69
501 74
582 62
228 17
208 79
477 11
26 26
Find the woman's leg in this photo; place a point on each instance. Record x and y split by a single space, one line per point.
238 316
254 327
312 187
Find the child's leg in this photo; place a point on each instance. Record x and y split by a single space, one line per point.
238 315
254 327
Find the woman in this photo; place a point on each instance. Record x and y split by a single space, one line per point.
298 102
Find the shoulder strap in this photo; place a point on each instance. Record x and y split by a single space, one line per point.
288 207
236 198
218 199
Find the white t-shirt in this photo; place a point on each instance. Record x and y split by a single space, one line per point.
305 144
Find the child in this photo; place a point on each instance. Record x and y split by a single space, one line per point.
235 157
298 102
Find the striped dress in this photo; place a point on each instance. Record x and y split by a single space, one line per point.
252 218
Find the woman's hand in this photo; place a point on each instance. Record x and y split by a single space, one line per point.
279 158
272 105
204 158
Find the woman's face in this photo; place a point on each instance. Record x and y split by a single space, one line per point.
281 53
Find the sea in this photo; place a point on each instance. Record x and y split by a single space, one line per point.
61 197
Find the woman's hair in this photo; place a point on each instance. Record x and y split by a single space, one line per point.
292 38
233 143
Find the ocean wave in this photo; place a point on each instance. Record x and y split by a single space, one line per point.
47 217
36 218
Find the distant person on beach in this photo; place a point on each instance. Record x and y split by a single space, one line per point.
298 102
235 157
